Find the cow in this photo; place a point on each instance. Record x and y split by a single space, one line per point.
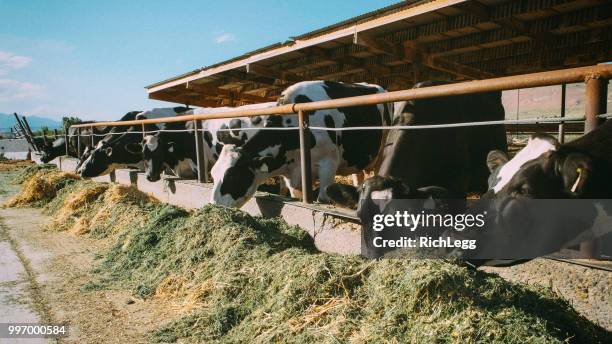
550 195
444 164
121 146
449 158
174 149
240 170
57 147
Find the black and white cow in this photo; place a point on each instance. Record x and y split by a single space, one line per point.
57 147
269 153
449 158
551 196
121 147
174 149
546 169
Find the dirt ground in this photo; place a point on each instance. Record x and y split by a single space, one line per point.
60 264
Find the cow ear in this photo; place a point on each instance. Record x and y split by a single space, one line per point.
134 148
108 151
496 159
575 171
171 147
343 195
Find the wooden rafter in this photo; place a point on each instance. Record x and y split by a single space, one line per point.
414 52
187 99
252 68
232 94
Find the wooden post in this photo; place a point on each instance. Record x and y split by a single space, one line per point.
305 156
91 135
55 134
595 104
201 159
561 136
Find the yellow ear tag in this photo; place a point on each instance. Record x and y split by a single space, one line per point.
575 186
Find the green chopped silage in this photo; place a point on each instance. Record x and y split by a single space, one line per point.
30 171
260 280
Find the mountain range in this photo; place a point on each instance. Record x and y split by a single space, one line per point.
36 122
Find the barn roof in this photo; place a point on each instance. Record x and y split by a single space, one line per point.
408 42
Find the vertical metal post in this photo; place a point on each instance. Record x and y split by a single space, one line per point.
79 143
66 138
201 159
561 136
91 135
54 134
595 104
305 156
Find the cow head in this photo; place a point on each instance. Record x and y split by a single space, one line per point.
111 154
542 169
375 196
237 174
52 150
156 152
527 193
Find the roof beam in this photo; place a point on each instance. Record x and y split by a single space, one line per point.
252 68
375 45
227 93
414 52
183 99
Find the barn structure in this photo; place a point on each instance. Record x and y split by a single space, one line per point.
408 42
494 43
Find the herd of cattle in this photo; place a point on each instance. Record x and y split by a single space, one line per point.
453 162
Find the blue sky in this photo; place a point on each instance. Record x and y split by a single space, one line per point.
93 58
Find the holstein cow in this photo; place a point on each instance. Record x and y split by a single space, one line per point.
449 158
551 196
121 146
440 163
57 147
239 170
174 150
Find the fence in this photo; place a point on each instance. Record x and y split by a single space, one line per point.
596 79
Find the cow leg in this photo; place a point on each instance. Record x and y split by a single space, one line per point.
358 178
327 171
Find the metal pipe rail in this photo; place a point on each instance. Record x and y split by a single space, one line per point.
593 76
477 86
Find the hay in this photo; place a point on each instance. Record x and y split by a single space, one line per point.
236 279
30 171
9 165
97 208
244 279
41 188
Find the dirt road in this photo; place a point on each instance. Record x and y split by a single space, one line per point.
43 279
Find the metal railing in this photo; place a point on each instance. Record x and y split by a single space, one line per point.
595 77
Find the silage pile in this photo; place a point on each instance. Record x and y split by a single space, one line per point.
100 209
237 278
40 184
